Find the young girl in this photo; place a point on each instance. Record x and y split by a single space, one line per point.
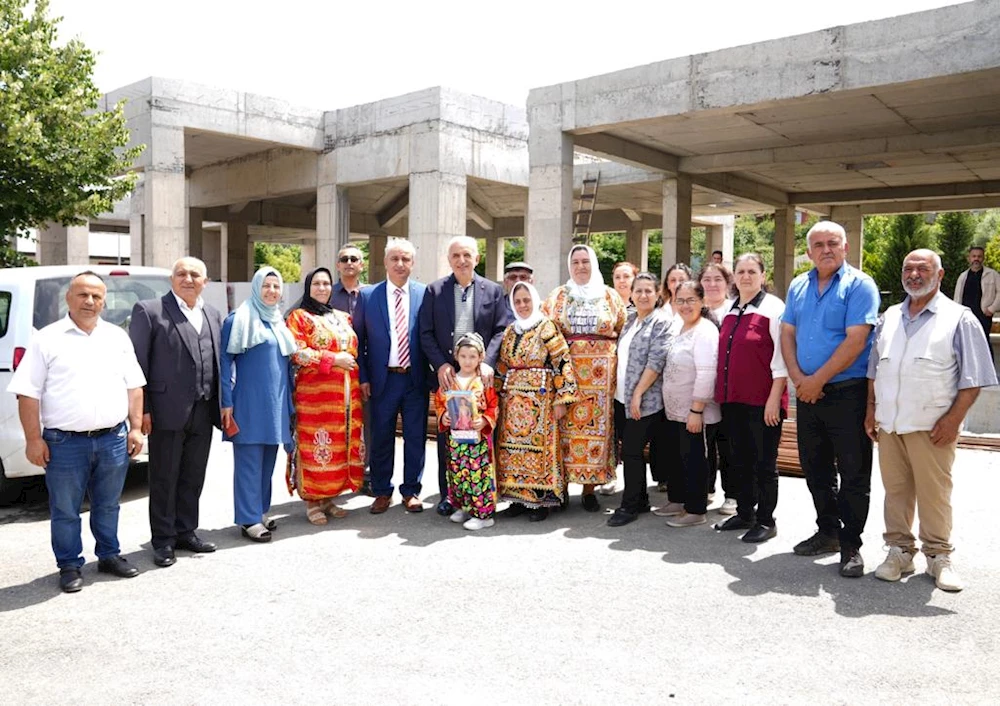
472 485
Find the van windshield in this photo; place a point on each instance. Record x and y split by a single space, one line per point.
123 292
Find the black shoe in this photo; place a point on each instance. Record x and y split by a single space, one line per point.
852 566
118 566
515 510
759 533
538 514
164 556
818 544
733 523
196 545
70 580
590 503
366 488
444 508
621 518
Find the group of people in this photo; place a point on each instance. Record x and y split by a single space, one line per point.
692 371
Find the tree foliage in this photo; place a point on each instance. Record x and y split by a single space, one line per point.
991 258
955 232
60 156
906 232
286 259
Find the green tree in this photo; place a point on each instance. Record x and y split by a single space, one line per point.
987 226
907 232
955 232
286 259
876 235
60 157
991 258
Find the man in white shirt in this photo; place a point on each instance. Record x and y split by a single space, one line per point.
80 376
176 339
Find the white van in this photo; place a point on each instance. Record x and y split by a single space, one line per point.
34 297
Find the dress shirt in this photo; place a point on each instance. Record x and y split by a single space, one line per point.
344 299
390 297
195 316
82 380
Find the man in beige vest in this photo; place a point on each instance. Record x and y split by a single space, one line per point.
927 363
979 288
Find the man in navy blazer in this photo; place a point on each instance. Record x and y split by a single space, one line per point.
393 373
176 341
455 305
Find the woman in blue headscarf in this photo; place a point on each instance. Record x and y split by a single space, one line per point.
256 400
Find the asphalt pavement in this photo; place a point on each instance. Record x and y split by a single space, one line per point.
412 609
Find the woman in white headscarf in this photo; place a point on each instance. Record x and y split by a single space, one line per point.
590 316
536 383
256 399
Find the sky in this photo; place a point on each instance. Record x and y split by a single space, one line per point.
330 55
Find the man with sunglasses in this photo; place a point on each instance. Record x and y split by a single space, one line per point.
350 263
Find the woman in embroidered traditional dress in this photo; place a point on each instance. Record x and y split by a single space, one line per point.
471 474
590 316
328 455
536 383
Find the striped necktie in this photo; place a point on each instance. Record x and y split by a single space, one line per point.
402 331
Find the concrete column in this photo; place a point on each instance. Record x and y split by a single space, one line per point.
137 225
676 220
720 237
238 255
549 234
308 259
195 233
637 246
854 223
784 249
437 214
165 229
333 211
211 253
376 257
494 257
64 245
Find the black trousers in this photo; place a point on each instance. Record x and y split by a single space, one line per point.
753 450
177 461
832 442
634 435
717 454
687 472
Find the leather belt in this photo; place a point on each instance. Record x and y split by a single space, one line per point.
398 370
92 433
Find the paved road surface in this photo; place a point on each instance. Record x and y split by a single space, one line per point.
411 609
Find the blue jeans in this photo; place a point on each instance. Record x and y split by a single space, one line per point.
78 465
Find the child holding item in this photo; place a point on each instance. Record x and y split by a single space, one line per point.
472 485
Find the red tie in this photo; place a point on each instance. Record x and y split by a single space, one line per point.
402 333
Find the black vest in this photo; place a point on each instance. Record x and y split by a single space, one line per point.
204 363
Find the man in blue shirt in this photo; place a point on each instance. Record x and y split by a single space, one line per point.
826 336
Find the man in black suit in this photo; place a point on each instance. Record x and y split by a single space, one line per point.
460 303
176 340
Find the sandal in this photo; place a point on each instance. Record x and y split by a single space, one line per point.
334 510
256 533
315 514
268 523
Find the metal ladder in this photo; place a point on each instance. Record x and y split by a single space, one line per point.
585 209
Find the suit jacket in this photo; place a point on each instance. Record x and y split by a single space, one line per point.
166 346
437 320
371 323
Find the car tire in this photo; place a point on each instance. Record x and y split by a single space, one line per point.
11 489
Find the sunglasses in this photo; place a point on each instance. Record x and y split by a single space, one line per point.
350 258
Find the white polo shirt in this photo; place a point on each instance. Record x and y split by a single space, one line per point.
82 380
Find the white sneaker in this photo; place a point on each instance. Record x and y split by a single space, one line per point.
944 575
459 516
476 524
728 507
897 563
608 488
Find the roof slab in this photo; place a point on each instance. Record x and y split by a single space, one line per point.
905 108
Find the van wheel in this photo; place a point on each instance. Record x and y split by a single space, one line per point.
11 489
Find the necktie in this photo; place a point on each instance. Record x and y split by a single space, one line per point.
402 331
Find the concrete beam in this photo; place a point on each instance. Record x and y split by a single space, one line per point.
631 153
897 193
268 174
930 205
742 188
392 213
479 215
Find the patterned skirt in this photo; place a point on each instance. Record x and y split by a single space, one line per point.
587 430
472 484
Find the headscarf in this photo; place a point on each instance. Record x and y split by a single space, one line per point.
471 340
595 288
248 322
307 302
531 320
